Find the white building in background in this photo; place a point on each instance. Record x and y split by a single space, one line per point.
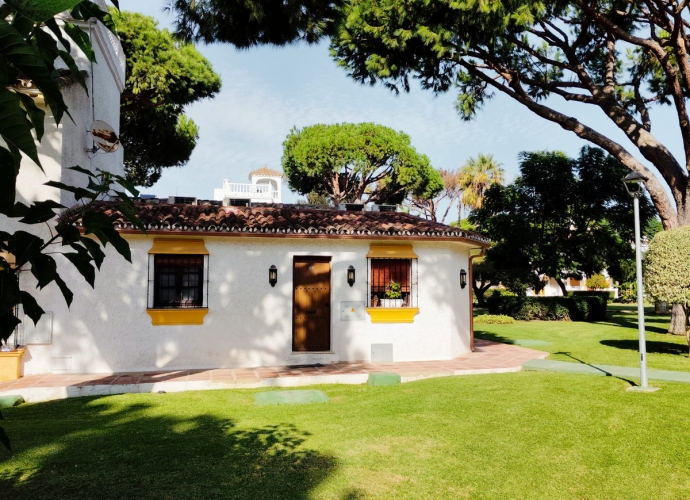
572 285
264 187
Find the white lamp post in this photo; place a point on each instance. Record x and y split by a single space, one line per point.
634 184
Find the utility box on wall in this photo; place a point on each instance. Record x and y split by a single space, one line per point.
382 353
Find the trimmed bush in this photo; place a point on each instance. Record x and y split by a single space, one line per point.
492 319
571 308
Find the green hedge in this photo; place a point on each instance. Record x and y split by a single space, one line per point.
593 293
488 319
572 308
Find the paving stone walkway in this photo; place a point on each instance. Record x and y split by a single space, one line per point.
488 357
626 372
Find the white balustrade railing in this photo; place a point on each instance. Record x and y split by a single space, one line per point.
240 190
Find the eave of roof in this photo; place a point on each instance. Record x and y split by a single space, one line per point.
279 222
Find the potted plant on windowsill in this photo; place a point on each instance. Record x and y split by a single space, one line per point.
393 296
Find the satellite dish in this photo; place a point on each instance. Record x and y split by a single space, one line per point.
104 136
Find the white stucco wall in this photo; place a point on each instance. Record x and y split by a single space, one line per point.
249 322
64 145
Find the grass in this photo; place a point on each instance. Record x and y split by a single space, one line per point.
524 435
611 342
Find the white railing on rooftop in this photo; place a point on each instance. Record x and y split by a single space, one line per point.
250 191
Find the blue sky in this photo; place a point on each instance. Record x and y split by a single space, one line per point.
267 91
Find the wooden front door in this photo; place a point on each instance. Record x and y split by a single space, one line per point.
311 309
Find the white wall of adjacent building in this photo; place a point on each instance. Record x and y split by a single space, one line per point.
249 323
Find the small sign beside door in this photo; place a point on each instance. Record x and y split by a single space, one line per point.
352 311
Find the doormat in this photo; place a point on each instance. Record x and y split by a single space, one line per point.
289 397
296 367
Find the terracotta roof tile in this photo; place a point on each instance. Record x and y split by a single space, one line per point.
265 171
285 221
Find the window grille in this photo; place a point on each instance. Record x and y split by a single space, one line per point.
382 272
178 281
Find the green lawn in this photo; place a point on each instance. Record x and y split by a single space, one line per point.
612 342
523 435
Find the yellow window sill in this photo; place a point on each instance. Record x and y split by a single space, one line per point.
160 317
392 314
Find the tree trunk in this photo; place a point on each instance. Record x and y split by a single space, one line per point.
562 285
679 320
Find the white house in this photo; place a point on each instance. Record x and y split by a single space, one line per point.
265 186
552 289
212 287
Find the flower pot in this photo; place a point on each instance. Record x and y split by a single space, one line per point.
11 364
391 302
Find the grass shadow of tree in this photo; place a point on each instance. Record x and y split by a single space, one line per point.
653 346
96 451
493 337
621 319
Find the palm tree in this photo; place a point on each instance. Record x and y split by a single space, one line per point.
476 176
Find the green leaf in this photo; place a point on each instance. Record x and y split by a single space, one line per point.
44 269
31 307
81 38
24 246
53 26
77 168
40 10
41 211
8 181
83 265
66 292
94 221
118 242
9 297
36 114
4 439
95 250
69 61
15 128
87 9
79 193
132 216
68 233
23 56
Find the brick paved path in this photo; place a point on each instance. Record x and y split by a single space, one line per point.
489 357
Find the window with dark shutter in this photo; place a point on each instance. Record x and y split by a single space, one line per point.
392 283
178 281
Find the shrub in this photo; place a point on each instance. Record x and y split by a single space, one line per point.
571 308
493 319
597 282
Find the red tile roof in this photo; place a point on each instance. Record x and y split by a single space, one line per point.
286 221
265 172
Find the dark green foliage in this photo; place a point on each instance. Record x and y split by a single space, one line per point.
348 162
163 76
562 217
256 22
572 308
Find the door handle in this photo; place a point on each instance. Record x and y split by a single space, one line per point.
326 305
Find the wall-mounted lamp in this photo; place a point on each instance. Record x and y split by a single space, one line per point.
350 275
463 278
273 275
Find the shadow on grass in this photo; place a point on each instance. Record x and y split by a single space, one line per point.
620 319
492 337
652 346
563 353
92 449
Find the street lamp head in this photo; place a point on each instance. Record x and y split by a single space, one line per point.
634 184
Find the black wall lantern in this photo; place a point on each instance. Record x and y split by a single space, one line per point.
463 278
273 275
350 275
